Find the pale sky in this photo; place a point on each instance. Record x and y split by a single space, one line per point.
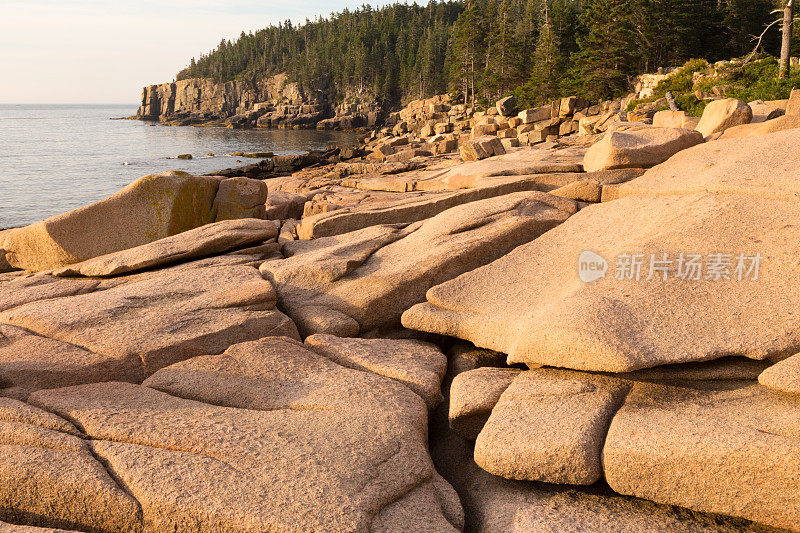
105 51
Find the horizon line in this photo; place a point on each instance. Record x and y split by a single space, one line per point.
71 103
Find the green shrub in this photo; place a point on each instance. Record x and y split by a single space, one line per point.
681 82
688 102
633 103
757 80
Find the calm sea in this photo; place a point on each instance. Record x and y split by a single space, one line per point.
54 158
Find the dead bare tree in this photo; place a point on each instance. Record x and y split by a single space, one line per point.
786 42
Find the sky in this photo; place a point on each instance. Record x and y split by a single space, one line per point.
105 51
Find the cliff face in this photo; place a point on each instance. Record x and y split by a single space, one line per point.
265 102
205 98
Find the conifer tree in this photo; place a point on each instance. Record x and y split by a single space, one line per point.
610 48
468 45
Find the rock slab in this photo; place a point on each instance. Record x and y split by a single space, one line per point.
211 239
364 280
622 317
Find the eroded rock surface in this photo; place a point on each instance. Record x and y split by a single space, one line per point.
361 281
551 317
729 452
161 319
493 504
33 362
50 477
763 166
418 365
550 425
473 395
148 209
266 436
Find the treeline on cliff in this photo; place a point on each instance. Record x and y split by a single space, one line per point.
482 49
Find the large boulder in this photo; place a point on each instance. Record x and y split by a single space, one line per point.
674 119
473 395
507 106
621 285
732 452
206 240
494 504
529 116
728 448
764 166
550 425
638 147
148 209
481 148
723 447
268 436
357 282
720 115
240 197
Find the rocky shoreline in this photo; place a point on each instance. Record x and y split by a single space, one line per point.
549 319
272 102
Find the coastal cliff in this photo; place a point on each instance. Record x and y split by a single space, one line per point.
262 101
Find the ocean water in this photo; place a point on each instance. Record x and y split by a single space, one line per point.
54 158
